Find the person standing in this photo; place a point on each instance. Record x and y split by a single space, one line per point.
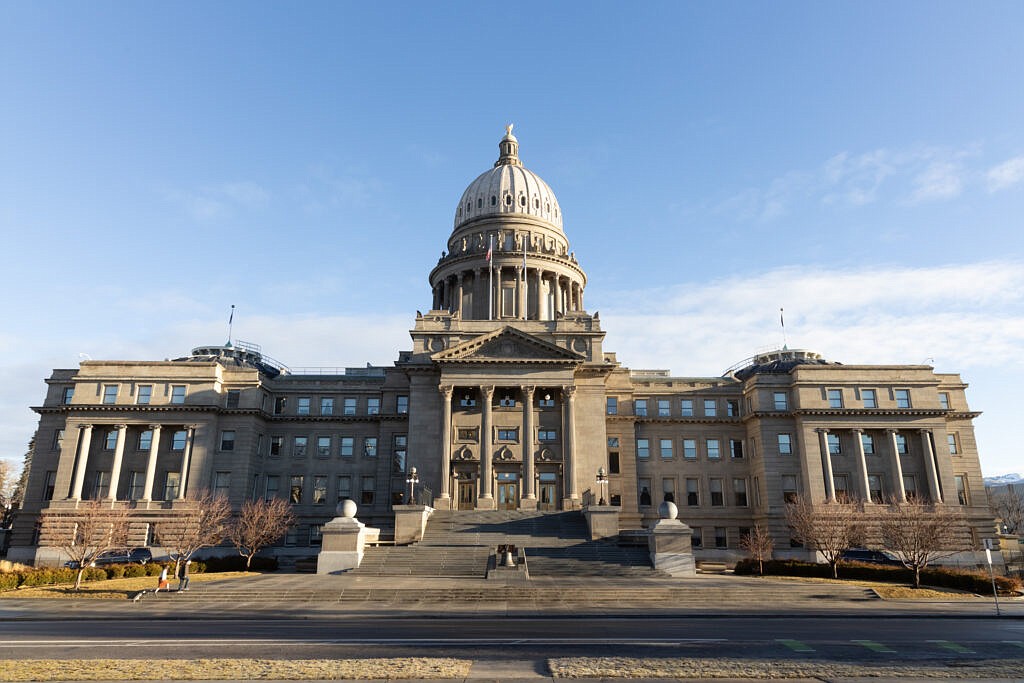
183 575
162 581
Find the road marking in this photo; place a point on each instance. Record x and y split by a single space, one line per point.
795 645
1017 643
27 644
874 647
955 647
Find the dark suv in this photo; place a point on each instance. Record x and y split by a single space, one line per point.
118 556
869 557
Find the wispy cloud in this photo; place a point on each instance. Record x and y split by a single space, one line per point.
216 202
1006 174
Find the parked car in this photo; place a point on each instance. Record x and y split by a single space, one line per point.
870 557
118 556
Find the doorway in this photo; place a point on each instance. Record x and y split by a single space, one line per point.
508 491
467 499
547 493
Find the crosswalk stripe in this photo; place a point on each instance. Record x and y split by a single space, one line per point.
875 647
955 647
1017 643
795 645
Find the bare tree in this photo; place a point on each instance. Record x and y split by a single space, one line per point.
93 528
920 533
7 484
758 542
202 522
260 523
830 528
1008 507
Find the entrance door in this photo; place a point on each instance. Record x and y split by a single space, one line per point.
547 495
466 498
507 498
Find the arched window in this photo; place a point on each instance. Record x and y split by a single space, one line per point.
494 200
479 202
522 200
508 200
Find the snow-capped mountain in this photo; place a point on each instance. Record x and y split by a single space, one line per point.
1004 479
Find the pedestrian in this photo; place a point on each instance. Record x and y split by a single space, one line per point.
162 581
183 576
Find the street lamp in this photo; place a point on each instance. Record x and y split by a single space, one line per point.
412 481
602 482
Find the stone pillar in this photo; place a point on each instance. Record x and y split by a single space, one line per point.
521 293
496 292
186 458
446 439
582 308
826 465
115 468
485 499
460 294
154 447
929 466
670 543
537 315
559 295
343 542
529 499
84 442
572 492
410 523
862 465
897 466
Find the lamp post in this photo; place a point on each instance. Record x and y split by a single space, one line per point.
602 482
412 481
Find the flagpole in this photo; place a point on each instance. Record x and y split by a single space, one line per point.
231 321
782 322
490 279
526 286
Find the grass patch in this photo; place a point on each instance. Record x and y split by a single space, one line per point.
890 591
231 669
112 589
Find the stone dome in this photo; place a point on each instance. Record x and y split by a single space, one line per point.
508 189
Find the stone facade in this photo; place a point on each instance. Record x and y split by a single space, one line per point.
507 399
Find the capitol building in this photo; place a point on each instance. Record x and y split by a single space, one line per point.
506 400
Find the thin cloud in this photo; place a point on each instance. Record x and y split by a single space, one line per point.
940 180
217 202
1006 174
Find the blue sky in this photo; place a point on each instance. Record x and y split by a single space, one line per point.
860 164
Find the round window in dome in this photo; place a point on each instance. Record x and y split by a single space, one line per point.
508 200
522 200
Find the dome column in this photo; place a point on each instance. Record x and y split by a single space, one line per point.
536 294
459 294
520 293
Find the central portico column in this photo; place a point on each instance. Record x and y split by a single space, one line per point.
929 466
115 469
154 447
862 464
572 490
897 466
528 492
485 499
84 441
446 438
186 457
826 465
521 293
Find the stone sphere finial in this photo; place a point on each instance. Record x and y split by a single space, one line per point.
668 510
347 508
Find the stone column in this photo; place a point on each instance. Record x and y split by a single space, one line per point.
446 438
154 447
569 441
897 466
582 308
84 442
115 469
496 292
186 458
521 293
862 465
485 498
929 466
536 295
826 465
560 295
528 483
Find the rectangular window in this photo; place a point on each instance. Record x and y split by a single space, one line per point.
875 488
507 401
373 406
327 406
227 440
781 400
686 407
868 442
714 449
295 488
136 484
842 487
664 407
67 395
790 491
869 397
50 485
58 439
665 448
739 492
178 394
692 492
273 484
644 485
901 444
511 435
467 434
690 449
547 435
785 444
259 444
221 483
276 444
344 487
467 401
370 447
299 445
143 393
732 408
349 406
368 491
398 451
902 398
643 449
234 398
951 440
710 407
109 393
697 540
612 406
323 446
668 490
546 401
715 486
319 489
910 486
302 407
613 442
171 481
316 534
347 446
280 403
145 439
721 539
961 490
110 441
178 440
640 407
736 448
835 398
835 447
944 400
402 405
613 463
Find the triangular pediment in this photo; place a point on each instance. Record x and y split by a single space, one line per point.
507 345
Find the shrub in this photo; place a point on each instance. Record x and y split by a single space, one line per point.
236 563
9 580
115 571
134 571
154 568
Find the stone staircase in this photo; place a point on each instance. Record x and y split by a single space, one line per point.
458 544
